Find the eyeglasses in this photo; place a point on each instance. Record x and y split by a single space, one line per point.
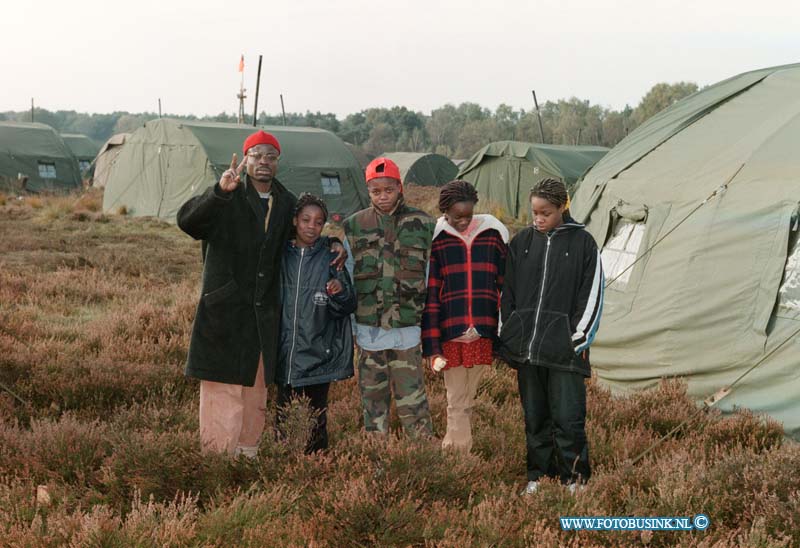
270 157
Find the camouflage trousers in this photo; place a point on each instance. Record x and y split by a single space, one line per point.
381 373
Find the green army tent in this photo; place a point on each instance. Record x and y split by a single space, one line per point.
167 161
696 212
83 148
36 152
505 171
106 158
423 168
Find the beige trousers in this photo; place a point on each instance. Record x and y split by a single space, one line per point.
461 384
232 416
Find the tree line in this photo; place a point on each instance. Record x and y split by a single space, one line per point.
450 130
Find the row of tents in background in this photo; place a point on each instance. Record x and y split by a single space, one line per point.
696 213
153 170
41 158
48 161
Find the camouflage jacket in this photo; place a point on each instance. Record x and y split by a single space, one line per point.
390 253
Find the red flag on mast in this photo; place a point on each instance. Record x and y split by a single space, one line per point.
241 64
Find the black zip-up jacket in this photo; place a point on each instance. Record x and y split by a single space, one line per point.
552 298
316 335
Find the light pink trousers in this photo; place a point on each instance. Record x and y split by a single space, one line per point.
232 416
462 385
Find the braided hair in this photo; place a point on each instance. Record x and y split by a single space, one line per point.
307 199
552 190
454 192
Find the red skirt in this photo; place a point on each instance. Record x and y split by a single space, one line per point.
467 354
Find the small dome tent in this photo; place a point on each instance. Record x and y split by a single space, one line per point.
504 172
106 158
423 169
84 149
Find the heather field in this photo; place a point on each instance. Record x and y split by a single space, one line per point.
96 416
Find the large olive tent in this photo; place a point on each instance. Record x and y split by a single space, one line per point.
505 171
697 215
83 148
36 152
106 158
423 168
167 161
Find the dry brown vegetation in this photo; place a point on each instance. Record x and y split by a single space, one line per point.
95 313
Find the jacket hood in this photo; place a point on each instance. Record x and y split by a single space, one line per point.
568 225
488 222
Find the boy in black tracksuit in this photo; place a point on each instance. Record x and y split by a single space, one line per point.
550 308
316 345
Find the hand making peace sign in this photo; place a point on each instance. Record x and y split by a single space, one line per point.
232 177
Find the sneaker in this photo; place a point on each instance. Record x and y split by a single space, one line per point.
531 488
575 487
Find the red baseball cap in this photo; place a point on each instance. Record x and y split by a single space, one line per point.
383 167
260 137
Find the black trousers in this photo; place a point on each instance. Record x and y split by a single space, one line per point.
554 404
318 394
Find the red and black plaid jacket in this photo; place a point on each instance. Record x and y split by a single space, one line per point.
464 284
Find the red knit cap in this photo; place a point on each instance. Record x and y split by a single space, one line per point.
383 167
261 137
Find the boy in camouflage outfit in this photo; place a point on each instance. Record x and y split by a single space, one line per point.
388 247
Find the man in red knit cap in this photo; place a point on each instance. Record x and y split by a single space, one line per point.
244 222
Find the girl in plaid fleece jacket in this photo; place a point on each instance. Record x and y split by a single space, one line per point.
459 323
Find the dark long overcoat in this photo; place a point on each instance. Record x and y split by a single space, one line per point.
238 314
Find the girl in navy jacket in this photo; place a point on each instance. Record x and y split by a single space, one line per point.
316 344
551 305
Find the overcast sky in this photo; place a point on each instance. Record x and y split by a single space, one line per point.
348 55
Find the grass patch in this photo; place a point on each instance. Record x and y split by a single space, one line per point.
95 316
